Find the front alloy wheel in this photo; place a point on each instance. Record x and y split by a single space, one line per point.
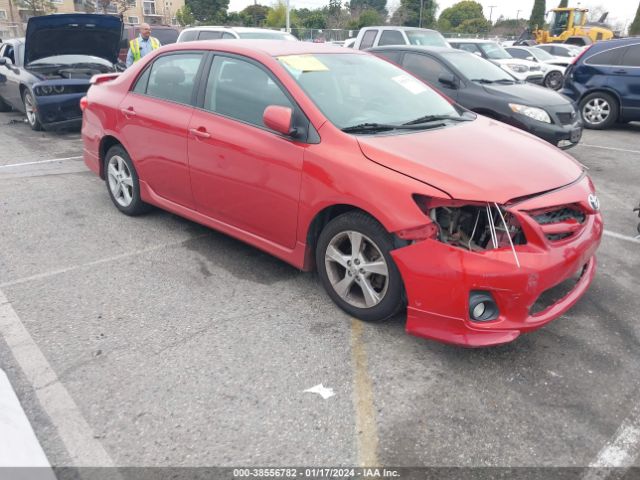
31 111
356 269
554 80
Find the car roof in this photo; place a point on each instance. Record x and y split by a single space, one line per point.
470 40
393 27
233 29
272 48
417 48
615 42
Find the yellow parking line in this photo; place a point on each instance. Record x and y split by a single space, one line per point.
366 428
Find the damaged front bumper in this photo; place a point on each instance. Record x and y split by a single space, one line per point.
439 278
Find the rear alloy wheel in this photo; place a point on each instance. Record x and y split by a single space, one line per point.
122 182
31 111
554 80
599 110
356 268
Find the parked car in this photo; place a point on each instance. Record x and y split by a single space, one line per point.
217 33
341 161
605 82
349 43
388 35
561 49
166 35
521 69
46 74
556 66
485 88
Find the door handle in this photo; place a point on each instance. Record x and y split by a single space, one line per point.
128 112
199 132
624 72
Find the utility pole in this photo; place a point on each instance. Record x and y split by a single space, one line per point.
491 7
288 25
420 20
518 15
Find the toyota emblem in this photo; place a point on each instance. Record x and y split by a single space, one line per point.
594 203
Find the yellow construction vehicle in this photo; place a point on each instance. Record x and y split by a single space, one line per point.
569 25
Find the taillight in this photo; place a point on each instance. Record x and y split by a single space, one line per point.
580 55
84 102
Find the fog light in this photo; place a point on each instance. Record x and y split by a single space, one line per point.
482 307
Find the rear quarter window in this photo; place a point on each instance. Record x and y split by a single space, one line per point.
391 37
368 38
609 57
631 56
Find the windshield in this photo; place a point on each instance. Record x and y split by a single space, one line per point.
430 39
541 54
494 51
68 60
266 36
353 89
558 22
476 68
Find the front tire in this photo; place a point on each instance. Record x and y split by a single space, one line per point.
31 111
356 268
599 110
122 182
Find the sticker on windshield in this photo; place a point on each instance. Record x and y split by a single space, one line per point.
413 85
304 63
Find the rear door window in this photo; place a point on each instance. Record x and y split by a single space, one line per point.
189 36
391 37
368 38
172 77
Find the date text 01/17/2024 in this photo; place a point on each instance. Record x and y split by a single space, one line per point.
314 472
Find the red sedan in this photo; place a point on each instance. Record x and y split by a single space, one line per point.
335 160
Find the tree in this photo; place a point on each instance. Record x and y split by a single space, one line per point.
316 20
37 7
213 12
461 12
185 16
254 15
369 18
408 13
474 26
537 14
634 29
563 4
358 6
277 17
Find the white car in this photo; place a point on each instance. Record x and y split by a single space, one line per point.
524 70
561 49
217 33
555 66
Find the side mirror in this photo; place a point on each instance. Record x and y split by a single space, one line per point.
448 80
278 118
478 54
3 61
531 58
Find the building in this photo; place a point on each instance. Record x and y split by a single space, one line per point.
14 14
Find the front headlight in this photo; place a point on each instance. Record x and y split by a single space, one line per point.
531 112
517 67
50 90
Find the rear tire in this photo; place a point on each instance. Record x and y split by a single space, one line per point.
554 80
364 282
599 110
122 182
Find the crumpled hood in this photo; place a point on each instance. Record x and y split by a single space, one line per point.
528 94
482 160
73 34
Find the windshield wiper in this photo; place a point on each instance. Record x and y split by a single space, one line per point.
506 81
436 118
369 127
482 80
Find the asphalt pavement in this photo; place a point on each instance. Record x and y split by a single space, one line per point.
153 341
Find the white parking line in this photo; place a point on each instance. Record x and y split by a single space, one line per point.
73 429
619 236
620 452
40 276
12 165
615 149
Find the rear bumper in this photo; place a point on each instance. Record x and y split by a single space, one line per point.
438 279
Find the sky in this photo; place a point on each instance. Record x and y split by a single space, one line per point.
620 10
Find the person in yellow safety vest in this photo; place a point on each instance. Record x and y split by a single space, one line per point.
139 47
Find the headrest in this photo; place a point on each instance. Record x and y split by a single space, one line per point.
169 75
